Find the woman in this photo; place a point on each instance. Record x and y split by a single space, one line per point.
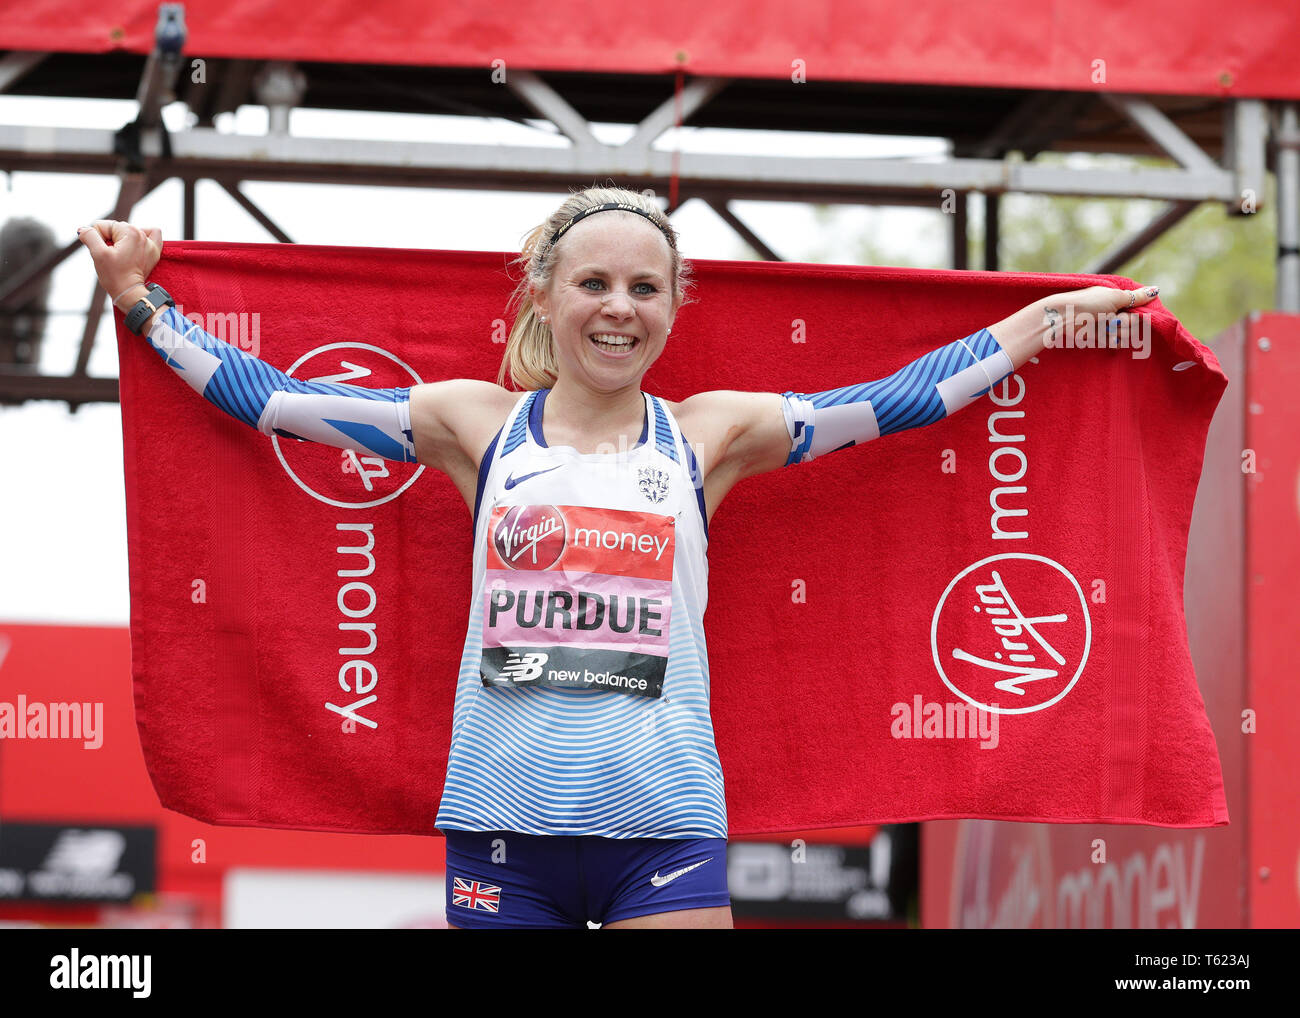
582 781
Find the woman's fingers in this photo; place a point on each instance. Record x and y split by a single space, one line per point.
91 238
123 254
1108 299
1141 295
110 229
1121 326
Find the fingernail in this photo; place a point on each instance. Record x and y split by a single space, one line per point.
1154 290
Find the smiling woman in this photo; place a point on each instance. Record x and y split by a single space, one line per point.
583 782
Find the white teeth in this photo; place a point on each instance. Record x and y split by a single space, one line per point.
613 342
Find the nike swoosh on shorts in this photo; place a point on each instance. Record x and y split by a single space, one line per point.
659 881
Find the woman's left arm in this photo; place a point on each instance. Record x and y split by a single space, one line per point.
928 389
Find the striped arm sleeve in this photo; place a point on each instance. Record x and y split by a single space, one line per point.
376 421
931 387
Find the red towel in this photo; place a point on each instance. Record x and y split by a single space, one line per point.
858 603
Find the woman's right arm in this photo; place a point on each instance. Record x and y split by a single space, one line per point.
382 422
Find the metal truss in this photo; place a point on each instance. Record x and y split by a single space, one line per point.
144 154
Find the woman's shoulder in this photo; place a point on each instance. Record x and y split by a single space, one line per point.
702 408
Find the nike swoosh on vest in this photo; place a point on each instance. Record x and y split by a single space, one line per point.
512 481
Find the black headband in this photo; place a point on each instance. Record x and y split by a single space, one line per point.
608 206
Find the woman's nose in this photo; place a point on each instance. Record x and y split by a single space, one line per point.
618 302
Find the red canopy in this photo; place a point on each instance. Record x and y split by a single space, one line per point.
1184 47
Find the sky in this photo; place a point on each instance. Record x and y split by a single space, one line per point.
63 557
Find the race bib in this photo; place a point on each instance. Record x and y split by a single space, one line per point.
577 597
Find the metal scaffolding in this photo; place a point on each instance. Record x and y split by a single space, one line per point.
1221 148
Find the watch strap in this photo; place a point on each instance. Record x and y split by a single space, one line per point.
144 308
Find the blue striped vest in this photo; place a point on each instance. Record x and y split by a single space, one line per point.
579 618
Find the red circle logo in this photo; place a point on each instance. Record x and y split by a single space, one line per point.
348 478
530 536
1011 634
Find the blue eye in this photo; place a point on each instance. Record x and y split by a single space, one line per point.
650 287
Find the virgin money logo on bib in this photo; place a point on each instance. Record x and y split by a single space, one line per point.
1011 634
529 537
348 478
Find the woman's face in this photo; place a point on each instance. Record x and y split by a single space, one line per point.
612 276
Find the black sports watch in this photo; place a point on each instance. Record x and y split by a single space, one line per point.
146 306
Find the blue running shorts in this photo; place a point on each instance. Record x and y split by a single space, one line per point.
566 881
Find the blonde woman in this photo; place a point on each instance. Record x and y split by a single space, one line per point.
583 784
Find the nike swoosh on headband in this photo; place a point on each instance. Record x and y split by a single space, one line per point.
659 881
512 481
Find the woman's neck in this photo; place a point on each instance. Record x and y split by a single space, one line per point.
586 420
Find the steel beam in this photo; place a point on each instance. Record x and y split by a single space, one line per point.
20 386
992 224
1245 141
232 189
1162 132
203 152
694 95
1130 247
960 238
188 209
736 223
1287 140
550 105
15 64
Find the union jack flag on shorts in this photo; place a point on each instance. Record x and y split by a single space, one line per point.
473 894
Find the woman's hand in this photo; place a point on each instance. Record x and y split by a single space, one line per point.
123 254
1063 311
1028 332
1102 300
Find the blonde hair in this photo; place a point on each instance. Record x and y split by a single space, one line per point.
529 359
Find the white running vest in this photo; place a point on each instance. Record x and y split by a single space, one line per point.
589 589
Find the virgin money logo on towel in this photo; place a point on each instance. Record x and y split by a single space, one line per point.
530 537
1013 630
345 477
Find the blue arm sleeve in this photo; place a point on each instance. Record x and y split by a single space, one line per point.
922 392
377 421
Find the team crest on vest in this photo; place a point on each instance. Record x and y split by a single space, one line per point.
653 483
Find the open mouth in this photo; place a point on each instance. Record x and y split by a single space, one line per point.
614 345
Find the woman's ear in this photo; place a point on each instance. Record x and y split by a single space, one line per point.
539 301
